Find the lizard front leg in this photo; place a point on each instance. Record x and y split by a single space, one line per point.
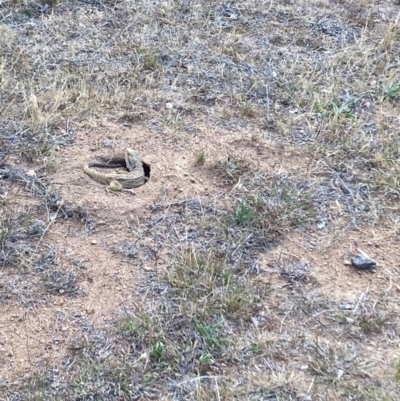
113 187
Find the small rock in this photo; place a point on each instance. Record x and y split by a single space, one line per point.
362 262
93 242
31 173
169 105
345 307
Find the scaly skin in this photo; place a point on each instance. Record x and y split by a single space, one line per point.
119 180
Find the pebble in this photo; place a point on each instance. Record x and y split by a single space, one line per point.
346 307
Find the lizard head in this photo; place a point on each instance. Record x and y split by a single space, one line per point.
132 159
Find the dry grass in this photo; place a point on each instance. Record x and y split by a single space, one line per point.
320 78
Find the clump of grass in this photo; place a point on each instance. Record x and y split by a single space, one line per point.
229 169
150 60
391 91
335 108
248 109
28 12
17 233
59 283
158 351
244 214
210 333
277 204
371 323
397 372
201 157
146 329
386 167
197 276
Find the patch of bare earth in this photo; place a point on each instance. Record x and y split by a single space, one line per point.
272 134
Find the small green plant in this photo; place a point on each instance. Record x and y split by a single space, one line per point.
229 169
247 109
206 359
130 325
158 351
257 348
391 91
244 214
201 157
150 61
344 108
334 108
397 373
210 333
28 12
197 271
237 299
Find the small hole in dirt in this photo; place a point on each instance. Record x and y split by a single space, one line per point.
146 168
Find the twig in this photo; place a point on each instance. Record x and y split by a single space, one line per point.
366 256
196 379
361 299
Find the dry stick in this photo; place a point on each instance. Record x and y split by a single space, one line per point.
235 186
390 282
196 379
311 385
46 229
366 256
13 354
298 243
27 345
323 326
361 299
217 388
284 317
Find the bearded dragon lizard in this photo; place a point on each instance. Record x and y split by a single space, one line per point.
131 176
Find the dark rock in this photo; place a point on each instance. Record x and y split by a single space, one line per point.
362 262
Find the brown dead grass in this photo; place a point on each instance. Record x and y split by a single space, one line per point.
272 134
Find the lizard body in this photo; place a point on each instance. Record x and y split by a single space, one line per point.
132 176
